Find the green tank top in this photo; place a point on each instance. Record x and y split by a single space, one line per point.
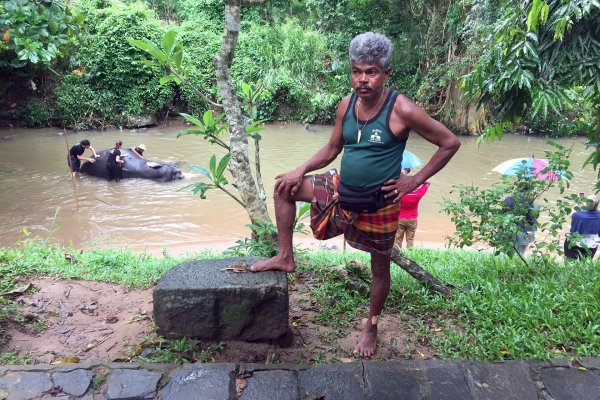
378 155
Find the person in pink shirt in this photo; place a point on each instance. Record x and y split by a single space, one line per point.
409 212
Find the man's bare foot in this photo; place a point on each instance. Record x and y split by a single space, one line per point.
276 263
367 343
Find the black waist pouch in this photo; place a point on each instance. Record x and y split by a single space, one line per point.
361 200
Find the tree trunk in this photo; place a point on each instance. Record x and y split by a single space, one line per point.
239 165
466 116
417 272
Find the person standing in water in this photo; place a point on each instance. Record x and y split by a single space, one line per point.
76 155
114 163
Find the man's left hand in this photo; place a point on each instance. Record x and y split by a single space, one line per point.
396 188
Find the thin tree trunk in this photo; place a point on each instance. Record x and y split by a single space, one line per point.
417 272
240 163
262 194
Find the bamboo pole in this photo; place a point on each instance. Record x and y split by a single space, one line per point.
71 171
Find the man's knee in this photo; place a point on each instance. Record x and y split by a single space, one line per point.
305 193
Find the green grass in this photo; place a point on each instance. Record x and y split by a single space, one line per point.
127 268
500 308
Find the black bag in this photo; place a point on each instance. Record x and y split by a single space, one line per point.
362 200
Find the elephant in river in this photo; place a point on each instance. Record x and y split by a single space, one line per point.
134 167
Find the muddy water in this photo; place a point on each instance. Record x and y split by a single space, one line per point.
37 194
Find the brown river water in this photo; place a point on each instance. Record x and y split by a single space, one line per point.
37 195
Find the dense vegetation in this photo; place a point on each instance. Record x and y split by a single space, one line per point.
72 65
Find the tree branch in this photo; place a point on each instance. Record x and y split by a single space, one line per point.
420 274
194 88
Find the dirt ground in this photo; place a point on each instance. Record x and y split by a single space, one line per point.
88 321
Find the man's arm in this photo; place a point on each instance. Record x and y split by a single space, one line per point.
409 116
136 153
90 159
290 182
93 151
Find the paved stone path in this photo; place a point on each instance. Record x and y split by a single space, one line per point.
397 380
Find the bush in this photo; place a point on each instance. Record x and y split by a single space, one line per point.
296 69
200 47
111 76
38 113
77 104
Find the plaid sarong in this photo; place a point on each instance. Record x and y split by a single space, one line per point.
370 232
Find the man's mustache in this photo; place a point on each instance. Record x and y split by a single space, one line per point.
363 87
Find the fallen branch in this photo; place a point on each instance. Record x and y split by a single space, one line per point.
420 274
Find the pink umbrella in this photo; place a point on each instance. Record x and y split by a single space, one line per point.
528 166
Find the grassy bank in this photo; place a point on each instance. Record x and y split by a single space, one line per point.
500 308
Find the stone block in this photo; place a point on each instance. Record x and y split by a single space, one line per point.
125 384
393 380
203 299
75 383
333 382
272 385
510 380
201 382
572 384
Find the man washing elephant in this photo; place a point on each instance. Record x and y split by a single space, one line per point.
114 163
362 202
76 155
130 165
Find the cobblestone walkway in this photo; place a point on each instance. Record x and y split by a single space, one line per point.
431 380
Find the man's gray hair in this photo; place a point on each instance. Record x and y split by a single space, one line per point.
371 47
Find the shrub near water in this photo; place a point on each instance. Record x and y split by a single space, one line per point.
302 79
108 68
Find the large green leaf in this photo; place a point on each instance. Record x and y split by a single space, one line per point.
192 119
223 164
168 42
202 171
150 48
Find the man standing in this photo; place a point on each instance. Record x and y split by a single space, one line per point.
371 126
76 155
114 162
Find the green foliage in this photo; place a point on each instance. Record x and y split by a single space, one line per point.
300 79
481 216
533 65
505 310
211 129
36 31
259 244
214 174
80 104
37 113
500 309
542 53
110 69
200 10
181 351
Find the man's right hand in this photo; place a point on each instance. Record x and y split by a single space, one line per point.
289 183
92 160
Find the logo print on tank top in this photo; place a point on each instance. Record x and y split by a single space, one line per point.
375 136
